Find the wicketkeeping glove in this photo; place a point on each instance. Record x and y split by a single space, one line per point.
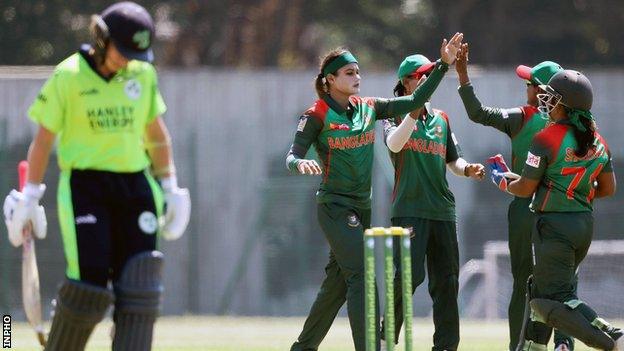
23 207
178 209
500 173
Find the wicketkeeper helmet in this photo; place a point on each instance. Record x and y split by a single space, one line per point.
568 87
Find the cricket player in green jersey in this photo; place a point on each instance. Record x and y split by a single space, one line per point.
341 125
422 147
520 124
568 165
103 105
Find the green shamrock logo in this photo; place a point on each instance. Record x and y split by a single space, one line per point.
142 38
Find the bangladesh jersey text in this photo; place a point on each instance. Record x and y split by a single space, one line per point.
420 186
566 180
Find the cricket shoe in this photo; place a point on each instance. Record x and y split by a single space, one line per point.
617 335
619 344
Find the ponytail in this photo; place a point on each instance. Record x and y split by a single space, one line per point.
320 85
584 139
584 129
399 89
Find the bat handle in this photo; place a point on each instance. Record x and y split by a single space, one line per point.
22 172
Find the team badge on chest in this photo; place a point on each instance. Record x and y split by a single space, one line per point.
133 89
438 132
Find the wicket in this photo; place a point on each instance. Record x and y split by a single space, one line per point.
388 235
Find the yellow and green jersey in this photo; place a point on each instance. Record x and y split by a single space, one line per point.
566 180
343 139
100 123
420 186
520 123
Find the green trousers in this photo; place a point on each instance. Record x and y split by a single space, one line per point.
560 242
344 281
520 222
435 242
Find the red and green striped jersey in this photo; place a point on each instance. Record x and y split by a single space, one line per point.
533 122
566 181
420 186
345 148
343 139
519 123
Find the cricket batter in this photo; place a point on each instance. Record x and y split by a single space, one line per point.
103 105
520 124
422 147
341 125
568 165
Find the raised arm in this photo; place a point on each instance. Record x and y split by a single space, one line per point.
508 121
397 136
387 108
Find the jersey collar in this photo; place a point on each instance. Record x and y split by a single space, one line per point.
88 59
336 107
427 112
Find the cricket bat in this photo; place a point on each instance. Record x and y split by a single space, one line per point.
31 297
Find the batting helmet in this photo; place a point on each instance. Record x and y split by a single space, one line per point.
130 27
568 87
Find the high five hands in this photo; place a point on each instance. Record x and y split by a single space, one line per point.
461 64
449 49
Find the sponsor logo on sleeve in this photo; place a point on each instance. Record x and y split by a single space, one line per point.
533 160
454 138
302 124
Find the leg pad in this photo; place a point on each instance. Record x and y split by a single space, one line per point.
79 308
559 316
138 296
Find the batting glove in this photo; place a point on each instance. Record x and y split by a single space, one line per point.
178 209
23 207
500 173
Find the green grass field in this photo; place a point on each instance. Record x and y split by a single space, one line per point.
270 334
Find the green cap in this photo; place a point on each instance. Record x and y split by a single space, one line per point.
539 74
414 64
